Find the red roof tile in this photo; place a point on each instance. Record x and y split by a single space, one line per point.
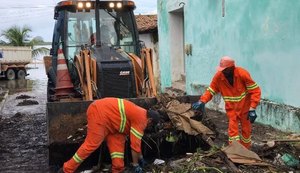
146 23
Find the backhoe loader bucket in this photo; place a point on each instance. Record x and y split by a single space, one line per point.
64 119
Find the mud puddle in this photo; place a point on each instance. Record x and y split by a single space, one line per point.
23 142
33 88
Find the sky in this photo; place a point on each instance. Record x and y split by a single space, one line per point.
38 14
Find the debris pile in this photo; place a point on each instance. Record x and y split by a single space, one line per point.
26 100
71 134
190 141
23 97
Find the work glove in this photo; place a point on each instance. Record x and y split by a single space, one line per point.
252 116
199 106
142 162
137 169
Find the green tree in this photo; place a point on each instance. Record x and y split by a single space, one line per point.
17 36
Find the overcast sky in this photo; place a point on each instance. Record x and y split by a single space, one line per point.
38 14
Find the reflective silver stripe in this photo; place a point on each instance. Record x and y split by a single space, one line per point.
136 133
246 140
62 67
122 114
114 155
251 87
60 56
212 92
234 138
77 158
235 99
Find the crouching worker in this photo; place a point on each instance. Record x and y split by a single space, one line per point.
112 119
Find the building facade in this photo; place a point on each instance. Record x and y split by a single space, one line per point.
262 36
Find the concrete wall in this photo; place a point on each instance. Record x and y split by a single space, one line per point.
262 36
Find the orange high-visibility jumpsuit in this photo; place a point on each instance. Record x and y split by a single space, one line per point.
113 119
244 93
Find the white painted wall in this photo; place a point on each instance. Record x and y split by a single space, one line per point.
176 45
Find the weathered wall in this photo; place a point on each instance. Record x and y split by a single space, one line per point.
176 45
164 40
262 36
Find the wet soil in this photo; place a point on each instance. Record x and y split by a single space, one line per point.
27 102
24 97
23 141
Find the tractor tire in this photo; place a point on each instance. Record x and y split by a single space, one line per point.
10 74
21 74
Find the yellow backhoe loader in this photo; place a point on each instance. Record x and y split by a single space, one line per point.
95 53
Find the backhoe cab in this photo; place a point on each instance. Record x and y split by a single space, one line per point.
108 30
98 41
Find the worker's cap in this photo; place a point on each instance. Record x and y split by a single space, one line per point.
154 115
225 62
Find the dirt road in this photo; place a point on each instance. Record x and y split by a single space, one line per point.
23 128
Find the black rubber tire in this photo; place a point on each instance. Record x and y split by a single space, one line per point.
21 74
10 74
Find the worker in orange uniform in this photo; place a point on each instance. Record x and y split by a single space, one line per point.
112 119
241 95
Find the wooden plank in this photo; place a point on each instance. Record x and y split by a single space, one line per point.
89 95
150 71
137 73
78 68
94 70
47 63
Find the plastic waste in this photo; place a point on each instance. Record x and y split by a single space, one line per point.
290 160
158 162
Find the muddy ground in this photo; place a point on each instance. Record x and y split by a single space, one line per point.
23 145
23 135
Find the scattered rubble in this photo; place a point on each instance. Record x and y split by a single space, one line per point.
23 97
27 102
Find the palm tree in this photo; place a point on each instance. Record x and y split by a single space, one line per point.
17 36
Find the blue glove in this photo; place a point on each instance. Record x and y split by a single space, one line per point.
199 106
137 169
142 162
252 116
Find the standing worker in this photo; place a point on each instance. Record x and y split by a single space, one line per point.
112 119
241 95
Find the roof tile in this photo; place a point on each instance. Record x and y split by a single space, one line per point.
146 23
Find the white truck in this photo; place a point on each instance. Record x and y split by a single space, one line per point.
13 61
